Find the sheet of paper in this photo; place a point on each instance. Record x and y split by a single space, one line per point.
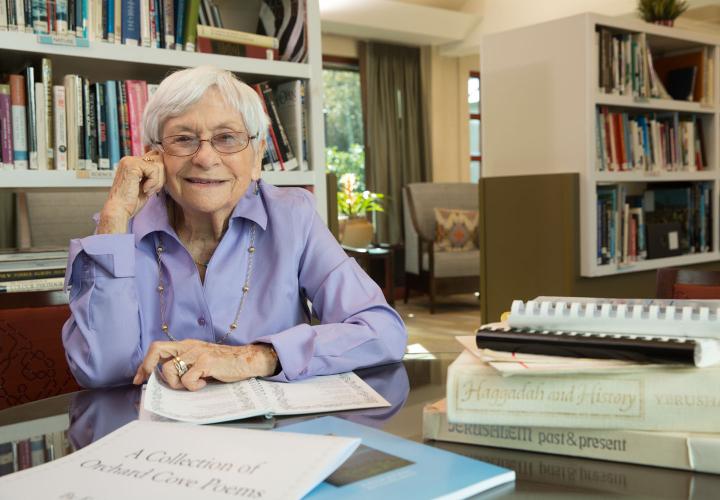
220 402
216 402
345 391
179 461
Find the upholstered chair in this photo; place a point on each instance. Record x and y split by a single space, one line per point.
428 266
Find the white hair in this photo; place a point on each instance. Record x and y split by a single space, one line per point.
183 88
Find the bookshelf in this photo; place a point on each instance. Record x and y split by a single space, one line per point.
100 61
541 97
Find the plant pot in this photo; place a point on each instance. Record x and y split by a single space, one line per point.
356 232
664 22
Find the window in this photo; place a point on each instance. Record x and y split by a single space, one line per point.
475 126
344 140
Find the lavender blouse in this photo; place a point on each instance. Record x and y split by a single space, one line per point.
116 309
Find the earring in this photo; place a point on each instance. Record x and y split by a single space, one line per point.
257 187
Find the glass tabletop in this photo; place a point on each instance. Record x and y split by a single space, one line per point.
71 421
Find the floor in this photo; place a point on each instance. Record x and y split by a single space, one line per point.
454 315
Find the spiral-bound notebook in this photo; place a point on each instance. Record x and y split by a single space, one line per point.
643 330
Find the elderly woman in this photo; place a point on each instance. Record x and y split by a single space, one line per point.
200 267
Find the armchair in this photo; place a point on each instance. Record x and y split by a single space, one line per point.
435 272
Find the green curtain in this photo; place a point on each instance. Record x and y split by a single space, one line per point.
395 145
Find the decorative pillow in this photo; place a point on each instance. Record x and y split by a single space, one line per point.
456 230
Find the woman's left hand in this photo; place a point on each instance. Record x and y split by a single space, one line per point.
207 361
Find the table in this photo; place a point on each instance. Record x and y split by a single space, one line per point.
408 386
384 254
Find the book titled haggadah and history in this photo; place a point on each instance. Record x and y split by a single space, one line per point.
180 461
221 402
676 450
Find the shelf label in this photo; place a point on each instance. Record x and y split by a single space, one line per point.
69 40
94 174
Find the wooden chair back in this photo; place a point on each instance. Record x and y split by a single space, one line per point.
673 283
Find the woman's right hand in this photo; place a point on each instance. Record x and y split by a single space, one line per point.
136 179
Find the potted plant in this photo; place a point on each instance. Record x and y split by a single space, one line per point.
353 207
661 11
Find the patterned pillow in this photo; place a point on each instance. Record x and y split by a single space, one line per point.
456 230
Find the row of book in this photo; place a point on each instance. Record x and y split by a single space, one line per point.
667 219
596 384
189 25
649 142
30 452
28 271
628 66
83 125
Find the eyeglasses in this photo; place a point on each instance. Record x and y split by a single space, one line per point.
187 145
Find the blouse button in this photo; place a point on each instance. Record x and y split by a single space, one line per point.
201 321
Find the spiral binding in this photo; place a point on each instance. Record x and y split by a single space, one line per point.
678 319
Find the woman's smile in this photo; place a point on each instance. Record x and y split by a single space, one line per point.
203 182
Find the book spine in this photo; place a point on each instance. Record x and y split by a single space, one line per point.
32 285
118 20
659 449
657 400
46 70
6 132
192 10
109 12
31 118
90 125
6 459
131 22
60 156
102 122
24 456
31 274
145 23
37 450
19 14
18 99
113 132
285 149
169 23
40 125
136 99
240 37
3 26
123 124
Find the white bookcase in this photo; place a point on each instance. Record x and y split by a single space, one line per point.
540 94
105 61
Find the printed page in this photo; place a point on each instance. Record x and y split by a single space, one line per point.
216 402
185 462
345 391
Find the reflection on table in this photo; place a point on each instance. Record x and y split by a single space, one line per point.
82 417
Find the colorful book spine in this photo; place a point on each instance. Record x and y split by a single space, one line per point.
239 37
18 99
136 99
123 123
6 131
284 148
131 22
109 11
6 458
660 399
660 449
113 132
168 18
60 129
90 135
117 19
145 23
180 24
192 10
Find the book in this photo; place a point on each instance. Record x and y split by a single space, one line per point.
60 142
32 285
238 37
6 133
675 450
658 399
289 98
288 161
31 274
387 466
210 46
192 10
31 118
692 64
657 317
220 402
113 132
18 99
156 460
42 159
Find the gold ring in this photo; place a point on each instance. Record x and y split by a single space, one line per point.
180 366
147 159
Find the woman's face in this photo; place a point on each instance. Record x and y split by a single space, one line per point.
209 181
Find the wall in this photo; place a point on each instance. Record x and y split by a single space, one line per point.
342 46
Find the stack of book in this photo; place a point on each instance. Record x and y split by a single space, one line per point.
622 380
32 271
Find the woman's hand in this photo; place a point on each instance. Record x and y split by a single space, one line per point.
135 181
207 361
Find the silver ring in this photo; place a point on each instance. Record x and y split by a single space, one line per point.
180 366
